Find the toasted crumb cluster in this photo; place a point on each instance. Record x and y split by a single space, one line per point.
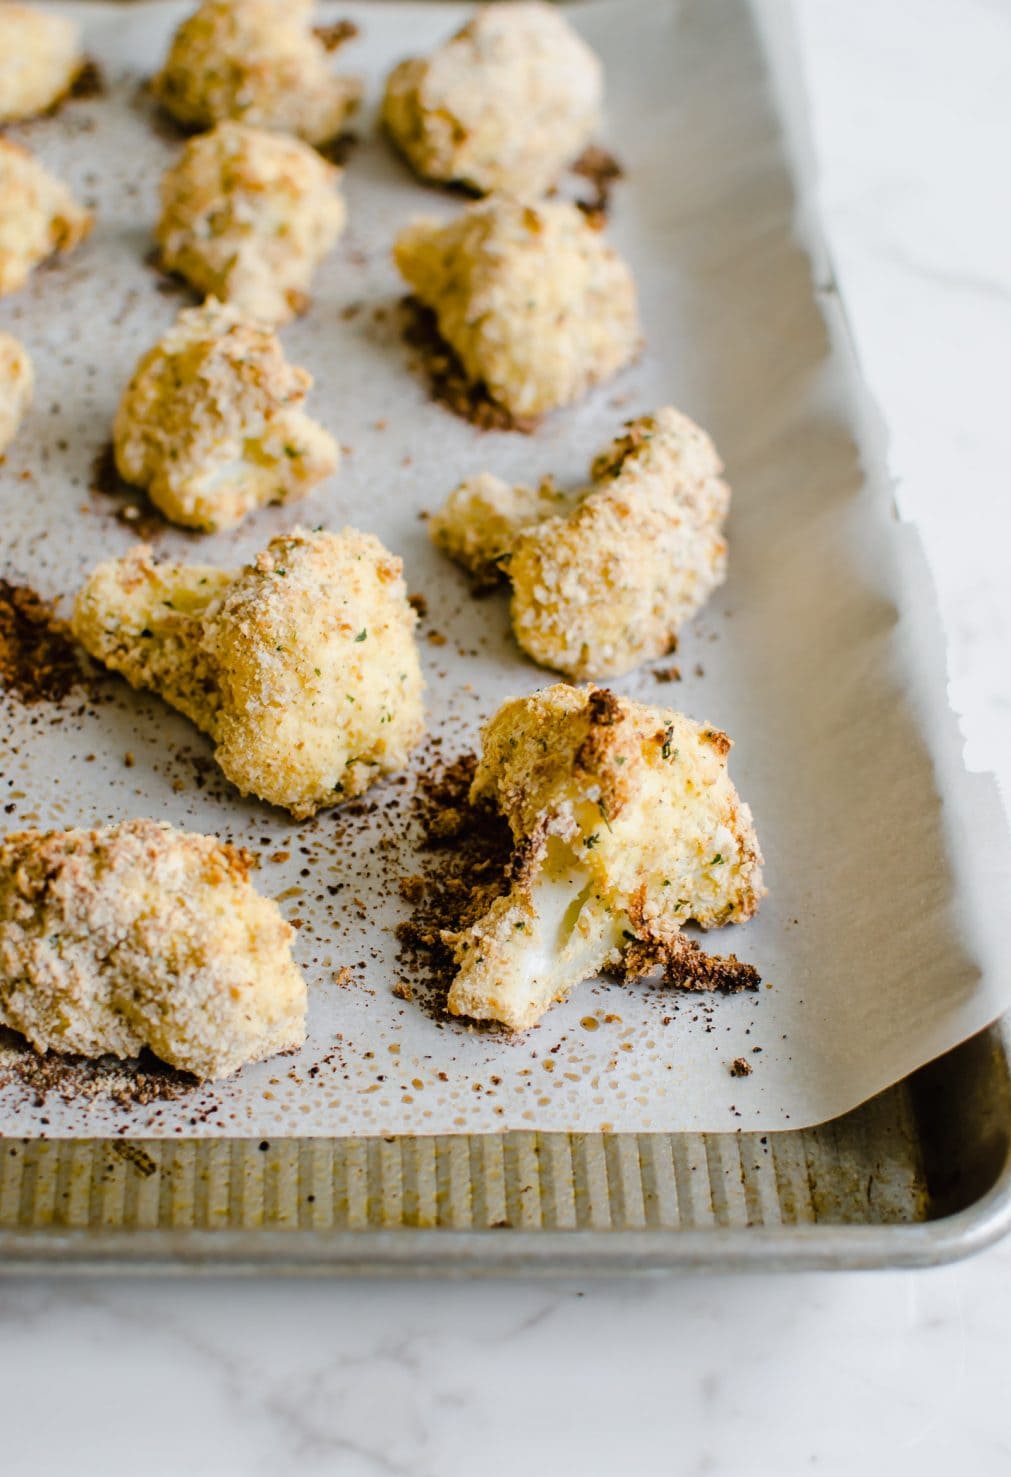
627 826
247 216
257 62
481 519
302 668
40 57
138 936
503 105
602 581
530 297
38 216
16 382
212 423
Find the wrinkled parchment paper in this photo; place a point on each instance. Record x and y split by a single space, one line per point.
882 940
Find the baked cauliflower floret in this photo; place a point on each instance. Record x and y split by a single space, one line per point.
40 57
604 586
480 520
627 826
533 301
247 216
138 936
302 667
38 216
16 382
259 62
212 423
504 105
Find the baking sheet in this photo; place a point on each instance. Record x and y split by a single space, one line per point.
881 943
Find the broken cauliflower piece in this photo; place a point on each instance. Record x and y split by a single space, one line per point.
480 520
38 216
247 216
16 383
40 58
257 62
503 105
138 936
627 826
302 667
532 300
604 581
212 423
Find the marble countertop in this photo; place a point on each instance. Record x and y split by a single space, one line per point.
882 1372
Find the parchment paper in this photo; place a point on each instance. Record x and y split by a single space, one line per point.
882 942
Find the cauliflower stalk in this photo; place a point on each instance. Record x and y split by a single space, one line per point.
601 582
303 667
627 827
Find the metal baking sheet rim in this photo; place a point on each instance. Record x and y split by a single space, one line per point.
412 1252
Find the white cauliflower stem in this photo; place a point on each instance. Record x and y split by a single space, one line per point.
627 826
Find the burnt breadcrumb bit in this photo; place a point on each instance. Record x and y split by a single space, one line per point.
38 658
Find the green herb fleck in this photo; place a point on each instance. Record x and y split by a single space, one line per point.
717 860
591 841
361 635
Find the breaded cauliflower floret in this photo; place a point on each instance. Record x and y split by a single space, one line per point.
302 667
627 826
533 301
40 57
480 520
212 423
17 380
603 584
247 216
503 105
38 216
138 936
259 62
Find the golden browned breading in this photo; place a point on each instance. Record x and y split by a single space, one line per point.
479 522
258 62
40 57
503 105
247 216
138 936
303 667
38 216
17 380
212 423
627 826
531 298
602 582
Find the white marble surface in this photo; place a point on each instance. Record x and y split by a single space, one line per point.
829 1374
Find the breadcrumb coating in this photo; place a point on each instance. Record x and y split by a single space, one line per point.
38 216
139 935
247 216
40 57
534 302
257 62
481 519
601 581
212 423
17 380
302 668
503 105
627 826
